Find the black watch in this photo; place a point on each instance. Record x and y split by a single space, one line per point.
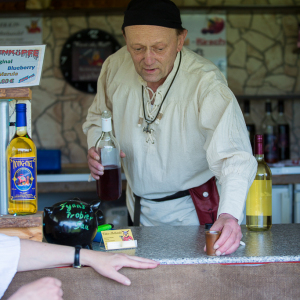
77 264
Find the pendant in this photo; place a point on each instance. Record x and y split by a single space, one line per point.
147 129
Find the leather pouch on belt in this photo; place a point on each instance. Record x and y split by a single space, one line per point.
206 201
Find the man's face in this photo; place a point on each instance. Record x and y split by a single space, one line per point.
153 50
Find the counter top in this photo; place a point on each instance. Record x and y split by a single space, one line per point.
184 245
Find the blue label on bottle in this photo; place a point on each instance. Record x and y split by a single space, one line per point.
22 178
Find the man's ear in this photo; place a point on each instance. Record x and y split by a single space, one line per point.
181 39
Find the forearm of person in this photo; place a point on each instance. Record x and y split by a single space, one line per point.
233 195
229 152
37 255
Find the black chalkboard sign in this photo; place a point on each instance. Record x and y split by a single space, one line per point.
72 222
83 55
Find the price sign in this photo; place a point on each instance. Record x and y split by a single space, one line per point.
21 66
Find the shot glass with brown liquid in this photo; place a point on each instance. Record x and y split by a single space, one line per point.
210 238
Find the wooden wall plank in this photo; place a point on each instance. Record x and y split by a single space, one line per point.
11 221
16 93
28 233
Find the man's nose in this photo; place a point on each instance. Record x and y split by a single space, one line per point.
149 57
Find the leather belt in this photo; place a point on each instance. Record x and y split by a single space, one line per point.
205 198
137 204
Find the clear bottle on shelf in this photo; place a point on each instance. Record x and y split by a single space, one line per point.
249 122
109 186
269 129
259 199
22 168
283 133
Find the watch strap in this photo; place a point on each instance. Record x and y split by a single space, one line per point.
77 264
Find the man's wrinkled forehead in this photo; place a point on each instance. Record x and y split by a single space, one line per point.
155 33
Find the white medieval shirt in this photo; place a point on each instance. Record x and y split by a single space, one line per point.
201 133
9 259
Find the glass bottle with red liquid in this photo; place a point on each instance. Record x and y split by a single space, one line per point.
249 122
109 186
283 133
269 129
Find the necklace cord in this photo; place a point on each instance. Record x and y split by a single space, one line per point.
148 121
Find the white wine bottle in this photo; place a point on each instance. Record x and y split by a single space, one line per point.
259 199
21 166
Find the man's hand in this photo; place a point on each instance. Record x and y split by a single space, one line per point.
230 237
93 161
47 288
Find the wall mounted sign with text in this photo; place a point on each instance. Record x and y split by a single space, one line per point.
83 55
21 66
207 37
21 31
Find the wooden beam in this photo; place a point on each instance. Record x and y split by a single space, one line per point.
28 227
11 221
286 179
16 93
27 233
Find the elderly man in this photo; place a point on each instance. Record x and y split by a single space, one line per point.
177 122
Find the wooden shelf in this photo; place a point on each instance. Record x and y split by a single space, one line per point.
271 97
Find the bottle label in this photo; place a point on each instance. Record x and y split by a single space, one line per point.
259 199
109 156
22 178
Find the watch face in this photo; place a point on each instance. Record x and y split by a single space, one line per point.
83 55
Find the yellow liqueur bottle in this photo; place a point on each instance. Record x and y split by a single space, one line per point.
21 165
259 199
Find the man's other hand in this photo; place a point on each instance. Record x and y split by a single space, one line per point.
230 237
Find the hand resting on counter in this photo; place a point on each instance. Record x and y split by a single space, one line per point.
37 255
93 161
230 237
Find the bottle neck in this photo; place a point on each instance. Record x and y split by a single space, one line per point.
258 148
21 123
106 125
21 131
107 134
259 157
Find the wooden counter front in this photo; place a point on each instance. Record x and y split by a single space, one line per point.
176 282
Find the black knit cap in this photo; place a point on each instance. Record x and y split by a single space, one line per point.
152 12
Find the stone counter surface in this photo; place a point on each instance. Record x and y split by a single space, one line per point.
185 244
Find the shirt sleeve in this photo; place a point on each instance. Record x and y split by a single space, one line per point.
228 148
9 259
92 126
